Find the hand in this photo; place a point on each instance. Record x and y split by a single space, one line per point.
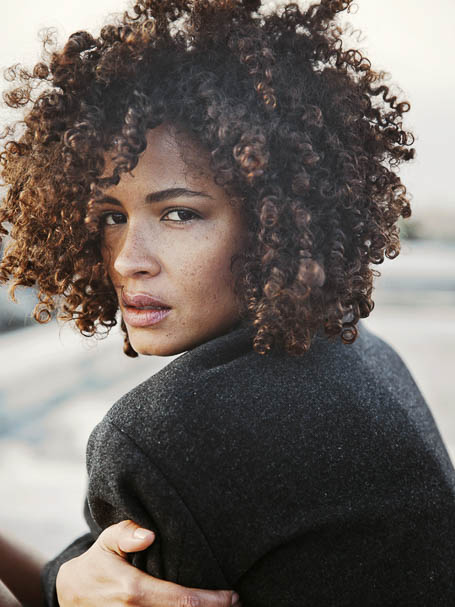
102 576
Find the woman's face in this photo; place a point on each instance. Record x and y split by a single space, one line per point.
169 234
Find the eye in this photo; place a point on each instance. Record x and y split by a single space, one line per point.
180 215
112 218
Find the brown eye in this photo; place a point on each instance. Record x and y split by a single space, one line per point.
180 215
112 219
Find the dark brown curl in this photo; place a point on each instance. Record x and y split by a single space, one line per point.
299 128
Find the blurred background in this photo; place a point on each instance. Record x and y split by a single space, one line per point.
55 386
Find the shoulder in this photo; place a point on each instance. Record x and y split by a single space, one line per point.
226 372
223 386
188 378
337 420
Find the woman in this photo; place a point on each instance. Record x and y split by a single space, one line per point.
226 179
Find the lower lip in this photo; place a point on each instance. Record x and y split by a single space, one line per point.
135 317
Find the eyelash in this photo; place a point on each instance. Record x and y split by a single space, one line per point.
107 214
104 217
180 210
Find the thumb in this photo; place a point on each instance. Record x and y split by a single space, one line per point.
125 537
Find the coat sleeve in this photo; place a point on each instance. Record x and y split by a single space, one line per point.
125 483
385 537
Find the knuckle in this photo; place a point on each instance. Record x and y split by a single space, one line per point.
188 599
122 532
63 588
109 538
131 590
224 598
125 524
63 571
116 528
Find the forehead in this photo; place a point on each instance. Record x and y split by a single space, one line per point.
172 156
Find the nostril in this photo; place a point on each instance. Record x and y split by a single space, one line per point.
129 265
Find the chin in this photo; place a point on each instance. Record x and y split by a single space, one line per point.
155 348
153 342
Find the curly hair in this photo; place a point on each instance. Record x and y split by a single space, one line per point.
302 130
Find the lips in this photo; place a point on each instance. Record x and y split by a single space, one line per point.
142 310
142 300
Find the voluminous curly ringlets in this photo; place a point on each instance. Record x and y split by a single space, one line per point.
299 128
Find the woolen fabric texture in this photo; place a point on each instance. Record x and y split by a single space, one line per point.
318 480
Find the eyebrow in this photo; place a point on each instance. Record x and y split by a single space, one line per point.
161 196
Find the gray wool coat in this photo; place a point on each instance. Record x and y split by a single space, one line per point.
314 481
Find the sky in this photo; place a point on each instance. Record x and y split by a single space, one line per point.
408 38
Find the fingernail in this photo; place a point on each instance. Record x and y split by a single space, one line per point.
235 598
142 534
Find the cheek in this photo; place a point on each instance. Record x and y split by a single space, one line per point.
108 256
208 277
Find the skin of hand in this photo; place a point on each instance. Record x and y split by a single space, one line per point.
102 576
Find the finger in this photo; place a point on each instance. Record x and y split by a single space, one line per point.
124 537
235 600
161 593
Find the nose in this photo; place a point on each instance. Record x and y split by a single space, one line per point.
134 255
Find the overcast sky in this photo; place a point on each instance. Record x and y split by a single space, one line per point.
411 39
